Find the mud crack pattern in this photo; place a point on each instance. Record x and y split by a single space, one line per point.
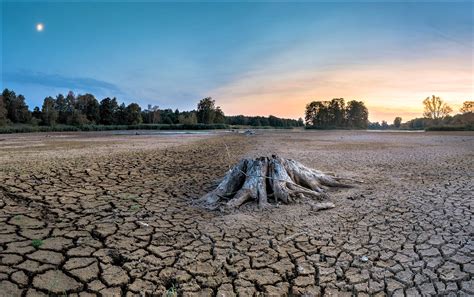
125 224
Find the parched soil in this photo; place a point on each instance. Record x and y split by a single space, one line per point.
105 215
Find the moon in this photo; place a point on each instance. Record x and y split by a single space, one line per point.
39 27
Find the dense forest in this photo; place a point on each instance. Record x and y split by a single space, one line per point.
336 114
80 110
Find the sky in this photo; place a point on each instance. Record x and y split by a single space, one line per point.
253 58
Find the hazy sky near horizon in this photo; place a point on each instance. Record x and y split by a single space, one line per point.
252 58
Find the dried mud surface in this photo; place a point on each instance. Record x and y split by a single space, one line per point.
101 215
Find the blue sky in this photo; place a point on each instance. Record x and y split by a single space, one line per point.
253 58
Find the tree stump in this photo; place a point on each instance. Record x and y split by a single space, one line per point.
270 180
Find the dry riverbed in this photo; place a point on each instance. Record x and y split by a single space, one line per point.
100 214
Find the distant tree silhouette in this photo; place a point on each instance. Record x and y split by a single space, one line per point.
88 106
206 111
435 108
85 109
357 115
336 114
219 117
107 111
467 106
17 110
397 122
37 113
133 114
151 115
48 111
188 118
3 112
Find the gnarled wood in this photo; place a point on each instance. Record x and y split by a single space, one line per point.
287 180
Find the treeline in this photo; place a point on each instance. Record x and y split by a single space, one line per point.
336 114
259 121
436 116
87 112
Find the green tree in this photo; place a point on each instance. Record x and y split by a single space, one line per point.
17 110
317 114
397 122
37 113
62 108
188 118
107 111
357 115
88 106
436 108
151 115
133 114
121 115
336 111
219 117
206 111
49 112
71 115
3 111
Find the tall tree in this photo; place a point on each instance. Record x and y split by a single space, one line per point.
357 115
206 111
49 112
133 114
317 114
72 116
17 110
336 111
62 108
435 108
37 113
219 117
3 111
107 111
121 115
397 122
467 106
88 106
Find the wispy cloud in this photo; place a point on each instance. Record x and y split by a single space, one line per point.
85 84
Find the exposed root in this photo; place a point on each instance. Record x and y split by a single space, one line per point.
281 180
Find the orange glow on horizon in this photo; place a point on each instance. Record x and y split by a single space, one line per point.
387 90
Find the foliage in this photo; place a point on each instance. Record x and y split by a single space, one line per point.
23 128
467 106
49 113
206 111
335 114
263 122
17 110
3 112
435 108
397 122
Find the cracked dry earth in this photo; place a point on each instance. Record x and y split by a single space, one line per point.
124 223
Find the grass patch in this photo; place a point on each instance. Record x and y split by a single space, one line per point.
36 243
451 128
92 127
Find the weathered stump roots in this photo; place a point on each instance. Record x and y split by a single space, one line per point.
266 180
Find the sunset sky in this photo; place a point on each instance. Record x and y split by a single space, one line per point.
252 58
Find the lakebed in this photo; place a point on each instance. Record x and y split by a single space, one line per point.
115 214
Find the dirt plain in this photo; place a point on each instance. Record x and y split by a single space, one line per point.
98 214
